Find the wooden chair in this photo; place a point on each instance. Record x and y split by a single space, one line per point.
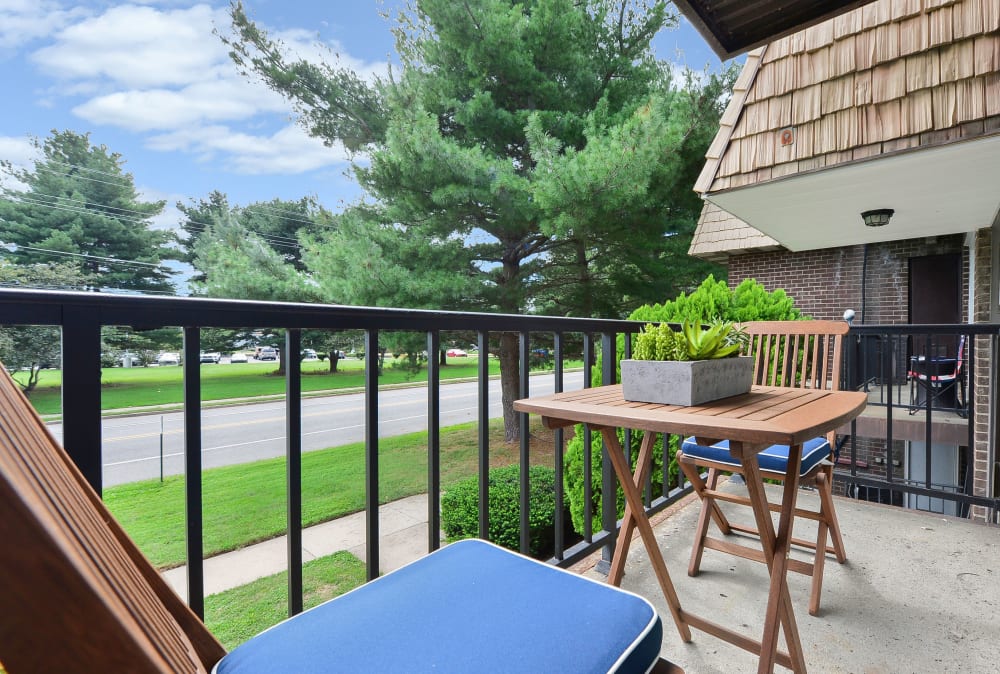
801 354
79 596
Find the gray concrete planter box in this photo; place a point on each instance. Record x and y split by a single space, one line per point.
692 382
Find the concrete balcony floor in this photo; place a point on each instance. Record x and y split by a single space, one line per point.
919 593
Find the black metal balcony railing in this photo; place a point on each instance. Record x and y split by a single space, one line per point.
916 445
82 315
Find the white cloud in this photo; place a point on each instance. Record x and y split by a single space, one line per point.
288 151
22 21
21 153
160 70
138 47
165 109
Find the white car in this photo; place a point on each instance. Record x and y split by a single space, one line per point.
238 357
168 358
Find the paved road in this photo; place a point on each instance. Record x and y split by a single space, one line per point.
132 445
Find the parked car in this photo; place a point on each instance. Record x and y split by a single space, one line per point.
456 353
212 357
168 358
308 354
238 357
266 353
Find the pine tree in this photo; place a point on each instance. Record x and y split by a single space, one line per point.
542 134
80 205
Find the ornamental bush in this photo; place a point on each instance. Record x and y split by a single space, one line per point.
713 300
460 509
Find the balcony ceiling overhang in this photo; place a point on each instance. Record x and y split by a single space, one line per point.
948 189
732 27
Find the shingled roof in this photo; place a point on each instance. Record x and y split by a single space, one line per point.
881 79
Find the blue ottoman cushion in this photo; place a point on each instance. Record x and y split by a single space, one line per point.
468 607
774 459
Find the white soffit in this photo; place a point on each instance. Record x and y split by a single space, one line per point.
935 191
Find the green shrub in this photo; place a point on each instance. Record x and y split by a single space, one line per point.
712 301
460 509
574 482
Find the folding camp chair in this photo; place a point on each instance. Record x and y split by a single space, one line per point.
938 377
79 596
799 354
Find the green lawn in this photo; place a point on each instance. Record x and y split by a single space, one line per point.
244 504
142 386
236 615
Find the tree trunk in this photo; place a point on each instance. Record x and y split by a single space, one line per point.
584 280
281 360
510 385
334 359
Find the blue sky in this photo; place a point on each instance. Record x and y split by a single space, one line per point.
149 80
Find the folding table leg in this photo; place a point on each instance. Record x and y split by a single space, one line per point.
642 469
776 546
634 500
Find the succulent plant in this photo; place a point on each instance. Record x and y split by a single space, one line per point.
692 342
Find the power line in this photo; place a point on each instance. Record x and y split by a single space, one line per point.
295 216
275 240
13 247
71 172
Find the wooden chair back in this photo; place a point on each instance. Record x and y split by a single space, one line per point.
78 594
801 354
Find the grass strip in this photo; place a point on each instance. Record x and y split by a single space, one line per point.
246 503
236 615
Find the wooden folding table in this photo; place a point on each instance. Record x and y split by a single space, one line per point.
766 416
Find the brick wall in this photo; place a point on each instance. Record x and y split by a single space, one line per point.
826 282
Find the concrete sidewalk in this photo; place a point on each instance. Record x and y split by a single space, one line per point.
403 538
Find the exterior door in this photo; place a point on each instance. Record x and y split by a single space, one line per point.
936 298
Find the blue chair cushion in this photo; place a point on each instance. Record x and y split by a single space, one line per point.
468 607
774 459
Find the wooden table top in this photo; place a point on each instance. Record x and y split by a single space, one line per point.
767 415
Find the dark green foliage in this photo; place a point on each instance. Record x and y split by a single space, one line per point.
460 509
712 301
574 473
80 202
749 301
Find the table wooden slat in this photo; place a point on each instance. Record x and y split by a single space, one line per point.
765 416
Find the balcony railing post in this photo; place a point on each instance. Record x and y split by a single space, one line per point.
484 435
609 500
525 354
81 390
192 470
371 452
588 493
433 441
559 520
293 466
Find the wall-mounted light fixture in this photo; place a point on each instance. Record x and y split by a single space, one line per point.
878 217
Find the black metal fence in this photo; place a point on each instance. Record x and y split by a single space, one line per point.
82 315
916 445
923 383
